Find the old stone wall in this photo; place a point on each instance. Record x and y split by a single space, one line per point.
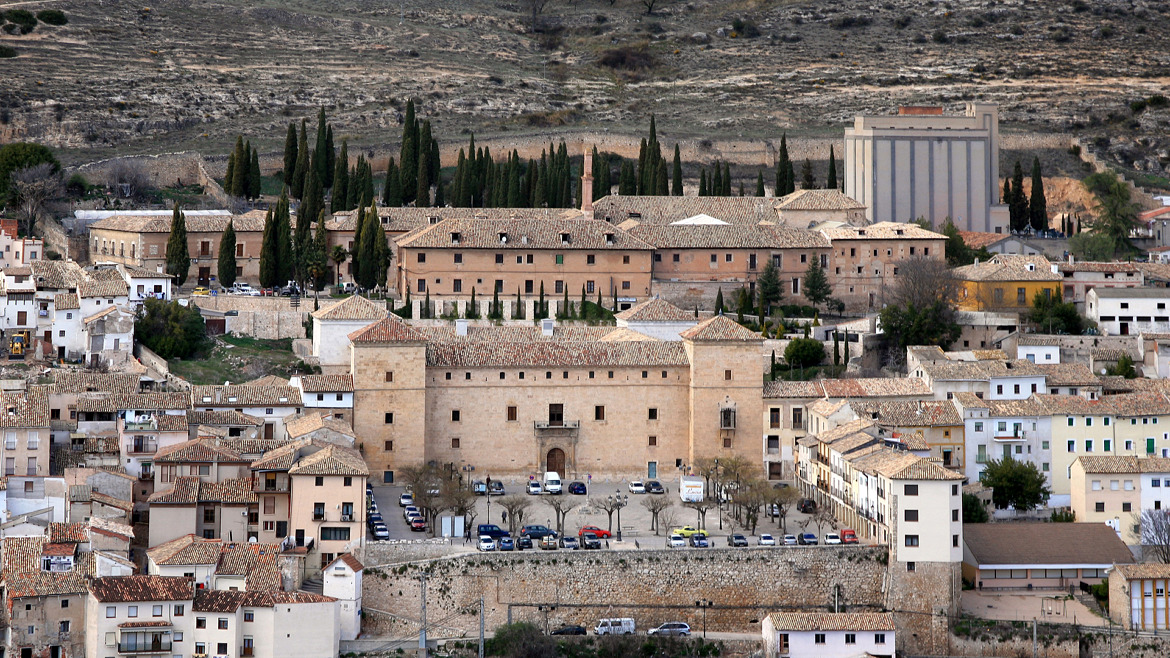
270 325
654 586
399 551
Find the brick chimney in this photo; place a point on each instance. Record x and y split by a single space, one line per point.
587 184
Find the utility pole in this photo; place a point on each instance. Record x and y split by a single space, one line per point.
481 627
422 629
1035 646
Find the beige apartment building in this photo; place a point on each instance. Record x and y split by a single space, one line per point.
579 401
922 163
451 258
25 423
142 242
865 259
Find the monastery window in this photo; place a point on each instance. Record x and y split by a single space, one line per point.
528 287
796 286
727 442
454 443
565 375
625 260
714 259
911 251
388 446
652 414
422 285
457 285
652 442
560 259
520 375
664 374
548 375
727 375
558 287
499 259
454 415
728 258
591 373
852 253
657 258
589 287
625 285
599 412
389 376
519 260
590 259
511 415
803 258
458 259
645 374
926 251
502 375
674 258
239 249
528 259
467 376
611 374
389 418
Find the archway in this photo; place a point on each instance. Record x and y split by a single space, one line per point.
555 461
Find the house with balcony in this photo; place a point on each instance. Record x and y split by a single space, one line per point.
270 403
225 509
136 615
1001 429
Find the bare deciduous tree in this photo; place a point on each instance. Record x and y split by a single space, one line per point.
782 500
128 177
515 505
607 504
749 497
460 501
656 505
651 4
668 518
561 506
537 7
36 186
426 486
702 507
1155 532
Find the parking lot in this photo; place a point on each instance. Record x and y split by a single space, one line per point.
635 518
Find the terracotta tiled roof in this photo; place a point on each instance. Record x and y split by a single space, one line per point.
875 387
300 425
172 422
844 430
780 388
1031 339
980 370
1156 271
655 310
923 469
526 234
282 458
1108 353
349 559
1000 408
111 528
1004 267
27 409
720 328
625 334
197 451
734 236
189 490
354 307
229 417
268 380
513 334
56 274
130 589
1124 464
23 576
252 445
555 354
73 381
110 501
401 220
1044 544
825 407
827 199
185 491
252 221
331 460
218 600
829 621
242 395
327 383
978 240
113 403
882 231
909 413
1144 570
389 330
1068 374
666 210
1089 266
186 550
66 301
89 289
1122 405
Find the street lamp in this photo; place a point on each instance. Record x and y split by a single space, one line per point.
719 494
468 469
703 604
619 501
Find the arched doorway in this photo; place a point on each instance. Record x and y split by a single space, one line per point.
555 461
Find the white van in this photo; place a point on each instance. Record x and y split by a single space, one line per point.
615 626
552 482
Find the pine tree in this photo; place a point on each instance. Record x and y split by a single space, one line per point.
290 154
254 176
320 160
330 159
816 285
1038 204
408 155
238 186
760 184
676 174
807 180
227 257
831 181
178 258
297 188
341 180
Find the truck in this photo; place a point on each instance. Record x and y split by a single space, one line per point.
690 488
552 482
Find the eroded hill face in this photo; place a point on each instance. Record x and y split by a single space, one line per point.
158 76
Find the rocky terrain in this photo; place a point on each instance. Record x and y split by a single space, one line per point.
177 74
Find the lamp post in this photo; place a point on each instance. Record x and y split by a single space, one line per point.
703 604
619 501
719 494
468 469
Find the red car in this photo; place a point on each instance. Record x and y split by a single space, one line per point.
418 524
601 534
848 536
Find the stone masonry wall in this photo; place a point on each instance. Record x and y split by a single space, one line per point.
743 584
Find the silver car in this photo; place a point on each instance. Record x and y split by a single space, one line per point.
671 628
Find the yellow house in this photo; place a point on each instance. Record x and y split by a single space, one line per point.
1006 282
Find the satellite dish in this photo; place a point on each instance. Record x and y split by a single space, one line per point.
251 540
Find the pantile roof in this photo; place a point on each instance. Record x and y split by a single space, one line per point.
1044 544
1090 266
670 209
980 370
23 576
114 402
27 409
1000 408
882 231
252 221
1005 267
73 533
483 354
527 234
731 236
90 289
817 199
1143 570
350 560
625 334
302 424
327 383
66 301
229 417
1068 374
830 621
242 395
655 310
354 307
1034 339
1131 293
197 451
111 528
388 330
268 380
331 460
720 328
56 274
186 550
189 490
1124 464
130 589
978 239
909 413
76 381
402 220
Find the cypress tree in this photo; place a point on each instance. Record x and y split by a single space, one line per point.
702 182
661 189
641 184
254 176
565 304
408 156
269 251
290 154
283 230
1038 205
393 186
760 184
719 302
320 160
1007 191
226 267
381 251
715 187
1018 208
422 196
440 196
831 181
513 199
311 206
790 177
726 179
540 308
367 189
628 182
240 165
676 174
356 252
836 349
435 164
341 180
178 258
330 159
318 260
808 180
423 176
231 171
471 313
783 169
297 188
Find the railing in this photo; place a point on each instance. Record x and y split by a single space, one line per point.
272 486
141 448
556 425
347 517
153 647
318 516
141 425
146 475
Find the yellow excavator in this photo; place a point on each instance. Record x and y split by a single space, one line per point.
19 343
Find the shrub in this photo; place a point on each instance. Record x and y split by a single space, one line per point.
1157 100
7 51
628 58
77 185
1137 106
940 36
22 17
847 22
746 28
52 17
804 352
902 22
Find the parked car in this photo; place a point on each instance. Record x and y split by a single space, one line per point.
848 536
496 488
201 291
620 626
832 538
373 518
806 506
766 540
590 541
491 530
687 531
676 541
570 543
267 292
699 541
486 543
479 488
807 539
736 539
549 543
418 524
505 544
380 531
523 542
373 506
406 499
577 488
537 531
655 487
349 288
406 511
636 487
569 630
671 628
790 540
533 488
601 534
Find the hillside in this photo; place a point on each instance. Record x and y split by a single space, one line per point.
130 78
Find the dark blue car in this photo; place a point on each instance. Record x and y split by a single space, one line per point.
577 488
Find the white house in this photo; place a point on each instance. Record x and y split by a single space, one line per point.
998 379
657 318
333 324
1081 277
828 635
333 393
272 403
343 581
1038 349
1125 311
109 336
996 429
145 284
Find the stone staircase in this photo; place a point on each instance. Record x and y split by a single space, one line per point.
313 585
